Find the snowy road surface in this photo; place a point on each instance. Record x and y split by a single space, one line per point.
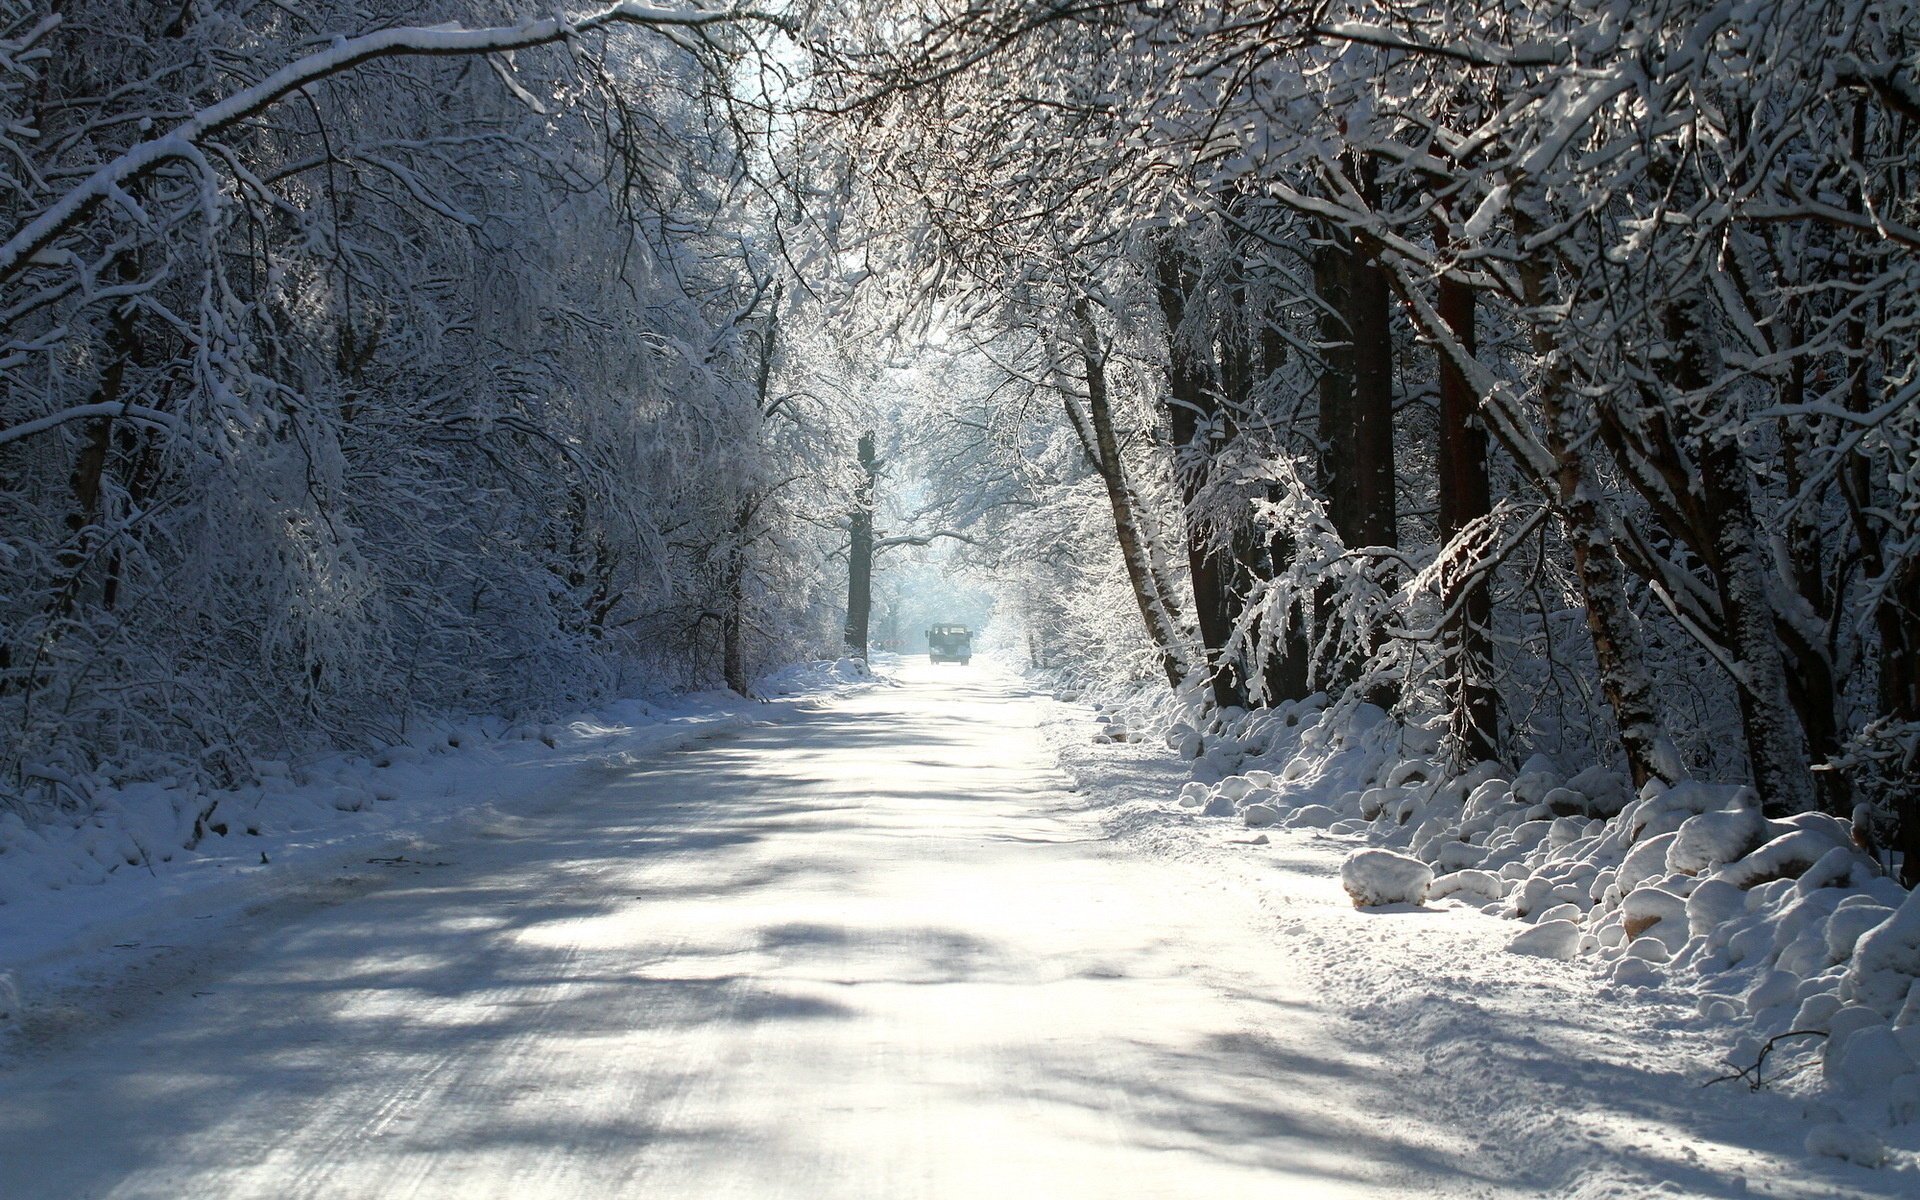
880 951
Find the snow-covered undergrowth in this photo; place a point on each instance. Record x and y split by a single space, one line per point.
1782 927
146 824
143 848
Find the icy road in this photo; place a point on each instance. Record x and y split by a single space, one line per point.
886 950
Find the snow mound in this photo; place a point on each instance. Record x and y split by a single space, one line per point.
852 668
1857 1146
1548 939
1376 877
1886 961
838 677
1479 886
1314 816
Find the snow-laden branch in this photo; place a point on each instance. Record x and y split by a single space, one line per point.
81 412
109 181
1472 51
922 539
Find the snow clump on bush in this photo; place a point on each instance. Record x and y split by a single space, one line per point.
1376 877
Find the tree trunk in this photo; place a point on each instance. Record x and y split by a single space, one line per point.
1465 497
1811 684
1776 744
733 617
1356 395
88 479
860 554
1356 413
1611 623
1285 671
1134 551
1190 399
1898 619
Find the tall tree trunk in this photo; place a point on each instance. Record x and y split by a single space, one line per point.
1191 399
89 477
1105 452
1356 412
1898 618
1776 745
1465 497
733 616
1611 623
1811 684
1356 395
860 553
1285 671
1248 355
733 620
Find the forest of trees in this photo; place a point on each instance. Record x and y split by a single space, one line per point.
1545 369
1549 371
348 377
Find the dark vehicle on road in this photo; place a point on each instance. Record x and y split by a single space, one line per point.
950 643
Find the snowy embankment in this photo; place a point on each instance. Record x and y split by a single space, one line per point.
84 898
1781 929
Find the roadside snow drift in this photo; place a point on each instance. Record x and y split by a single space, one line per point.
1776 924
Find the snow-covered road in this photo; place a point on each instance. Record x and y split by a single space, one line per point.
880 951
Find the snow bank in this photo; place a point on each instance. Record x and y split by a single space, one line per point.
142 849
823 678
1774 924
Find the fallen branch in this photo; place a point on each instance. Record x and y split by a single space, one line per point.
1754 1075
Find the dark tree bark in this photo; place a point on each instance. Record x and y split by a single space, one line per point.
1356 394
733 617
88 480
1356 411
1693 473
1811 685
1776 744
1611 623
1737 558
1465 497
860 554
1191 400
1096 432
1899 624
1286 671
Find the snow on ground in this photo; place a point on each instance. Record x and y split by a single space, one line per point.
1573 1082
106 898
946 939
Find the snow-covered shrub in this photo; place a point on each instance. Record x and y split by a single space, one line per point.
1777 923
1376 877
